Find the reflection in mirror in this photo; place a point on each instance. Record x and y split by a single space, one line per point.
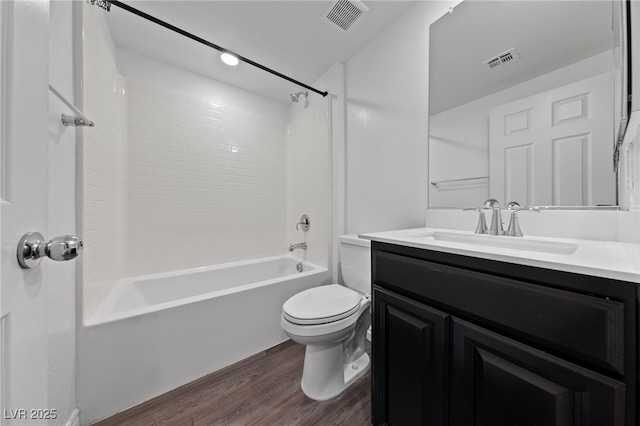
522 104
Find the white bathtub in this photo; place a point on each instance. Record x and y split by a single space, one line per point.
157 332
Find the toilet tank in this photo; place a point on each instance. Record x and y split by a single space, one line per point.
355 261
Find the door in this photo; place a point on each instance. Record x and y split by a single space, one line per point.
500 382
24 50
410 359
547 149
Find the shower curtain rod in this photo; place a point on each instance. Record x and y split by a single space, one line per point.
105 5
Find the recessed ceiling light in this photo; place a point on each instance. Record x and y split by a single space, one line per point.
229 59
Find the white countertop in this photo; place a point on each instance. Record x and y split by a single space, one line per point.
607 259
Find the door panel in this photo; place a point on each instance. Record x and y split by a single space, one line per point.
547 149
24 140
502 385
518 171
501 382
410 369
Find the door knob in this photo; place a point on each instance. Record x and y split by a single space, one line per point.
32 249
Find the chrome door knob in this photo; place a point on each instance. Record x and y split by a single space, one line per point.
64 247
32 249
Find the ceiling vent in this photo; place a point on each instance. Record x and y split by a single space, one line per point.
342 14
509 56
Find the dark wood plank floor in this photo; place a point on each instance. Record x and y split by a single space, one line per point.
261 390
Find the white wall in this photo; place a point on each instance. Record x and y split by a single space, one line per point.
62 219
387 110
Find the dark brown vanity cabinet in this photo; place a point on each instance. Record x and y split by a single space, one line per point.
467 341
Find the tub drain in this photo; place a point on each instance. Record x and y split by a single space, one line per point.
299 267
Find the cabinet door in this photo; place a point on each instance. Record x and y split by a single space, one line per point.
410 362
500 382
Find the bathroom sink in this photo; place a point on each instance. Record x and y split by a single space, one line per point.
515 243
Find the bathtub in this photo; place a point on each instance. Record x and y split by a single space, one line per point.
157 332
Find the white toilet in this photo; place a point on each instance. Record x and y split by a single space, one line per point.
332 321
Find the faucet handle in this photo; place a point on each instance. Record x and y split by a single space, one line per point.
529 209
514 225
513 205
491 203
481 227
305 223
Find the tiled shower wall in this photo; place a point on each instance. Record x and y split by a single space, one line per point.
309 180
206 182
102 171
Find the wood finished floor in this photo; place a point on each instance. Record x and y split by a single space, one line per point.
261 390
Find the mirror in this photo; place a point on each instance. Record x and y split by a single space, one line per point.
525 103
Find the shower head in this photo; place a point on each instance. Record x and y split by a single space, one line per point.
105 4
295 96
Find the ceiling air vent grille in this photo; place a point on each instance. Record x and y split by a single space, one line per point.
510 55
342 14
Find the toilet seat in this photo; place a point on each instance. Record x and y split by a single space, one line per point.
321 305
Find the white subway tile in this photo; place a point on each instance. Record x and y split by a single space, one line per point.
140 171
194 101
139 133
163 100
161 136
199 175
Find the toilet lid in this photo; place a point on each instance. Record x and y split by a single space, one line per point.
321 305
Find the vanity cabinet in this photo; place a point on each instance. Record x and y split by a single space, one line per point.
460 340
414 356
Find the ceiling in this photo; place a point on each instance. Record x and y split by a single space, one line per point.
547 35
287 36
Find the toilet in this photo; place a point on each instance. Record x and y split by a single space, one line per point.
332 321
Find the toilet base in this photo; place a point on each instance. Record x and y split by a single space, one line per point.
325 375
356 369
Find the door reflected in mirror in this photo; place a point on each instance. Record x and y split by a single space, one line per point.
525 103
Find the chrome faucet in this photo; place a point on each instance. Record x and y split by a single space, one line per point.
481 227
496 217
302 246
514 226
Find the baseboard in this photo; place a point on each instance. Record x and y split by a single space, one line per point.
74 418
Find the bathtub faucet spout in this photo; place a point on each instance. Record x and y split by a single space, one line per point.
302 246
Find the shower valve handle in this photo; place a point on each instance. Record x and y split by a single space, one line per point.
32 249
305 223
